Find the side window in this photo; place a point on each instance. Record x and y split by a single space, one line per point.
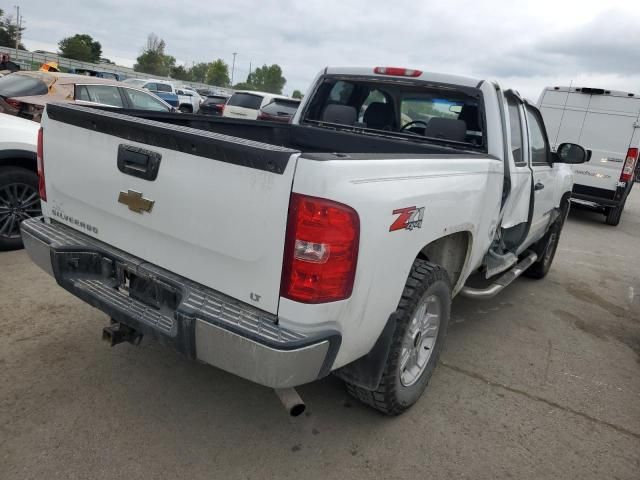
104 94
163 87
152 87
538 142
516 132
82 93
144 101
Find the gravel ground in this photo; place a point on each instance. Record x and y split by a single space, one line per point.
540 382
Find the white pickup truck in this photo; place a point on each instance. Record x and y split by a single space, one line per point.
283 252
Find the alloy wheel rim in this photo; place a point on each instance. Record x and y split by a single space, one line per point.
18 202
420 340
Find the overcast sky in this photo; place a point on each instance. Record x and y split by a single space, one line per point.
526 44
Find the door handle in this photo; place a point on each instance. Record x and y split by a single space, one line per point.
538 186
138 162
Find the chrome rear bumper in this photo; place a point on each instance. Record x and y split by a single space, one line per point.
200 322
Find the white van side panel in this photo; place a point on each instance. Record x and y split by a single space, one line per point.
603 124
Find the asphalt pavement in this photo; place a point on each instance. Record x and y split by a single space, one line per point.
541 382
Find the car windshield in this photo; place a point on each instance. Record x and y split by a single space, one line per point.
413 110
15 85
215 100
245 100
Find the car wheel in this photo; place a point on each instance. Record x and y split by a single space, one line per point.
422 318
19 200
613 215
185 109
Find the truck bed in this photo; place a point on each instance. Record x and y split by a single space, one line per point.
304 138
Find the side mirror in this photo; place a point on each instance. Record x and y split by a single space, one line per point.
571 153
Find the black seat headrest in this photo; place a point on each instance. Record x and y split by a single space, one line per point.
447 129
341 114
380 116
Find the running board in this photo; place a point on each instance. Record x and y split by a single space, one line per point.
502 282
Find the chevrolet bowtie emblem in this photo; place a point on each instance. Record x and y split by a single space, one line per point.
135 202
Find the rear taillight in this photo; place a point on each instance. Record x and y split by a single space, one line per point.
397 71
42 189
321 250
14 103
629 165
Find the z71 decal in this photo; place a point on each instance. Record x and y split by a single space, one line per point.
408 219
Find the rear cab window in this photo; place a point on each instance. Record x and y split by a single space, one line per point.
246 100
16 85
450 115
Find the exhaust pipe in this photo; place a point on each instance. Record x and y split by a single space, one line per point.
119 332
291 401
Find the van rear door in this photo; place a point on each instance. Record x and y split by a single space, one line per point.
603 123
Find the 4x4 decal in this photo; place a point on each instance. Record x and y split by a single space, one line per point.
408 218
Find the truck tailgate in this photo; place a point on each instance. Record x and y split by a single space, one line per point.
209 207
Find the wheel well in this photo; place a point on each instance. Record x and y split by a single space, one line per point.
449 252
28 163
186 106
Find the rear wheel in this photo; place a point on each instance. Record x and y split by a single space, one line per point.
19 200
186 108
421 327
613 215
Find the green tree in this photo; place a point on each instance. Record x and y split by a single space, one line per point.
218 74
244 86
199 72
297 94
180 73
9 31
81 47
267 79
153 60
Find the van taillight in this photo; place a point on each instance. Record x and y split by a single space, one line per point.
629 165
42 189
321 250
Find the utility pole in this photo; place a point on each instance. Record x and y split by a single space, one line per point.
233 66
18 22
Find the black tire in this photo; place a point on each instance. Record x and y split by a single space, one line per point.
613 215
546 247
392 397
16 182
185 108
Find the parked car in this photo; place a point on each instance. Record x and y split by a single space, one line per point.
247 104
606 122
97 73
279 110
333 244
213 105
26 93
19 198
185 100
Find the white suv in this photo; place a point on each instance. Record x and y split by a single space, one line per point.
247 104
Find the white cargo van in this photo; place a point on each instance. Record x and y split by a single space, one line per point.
607 122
